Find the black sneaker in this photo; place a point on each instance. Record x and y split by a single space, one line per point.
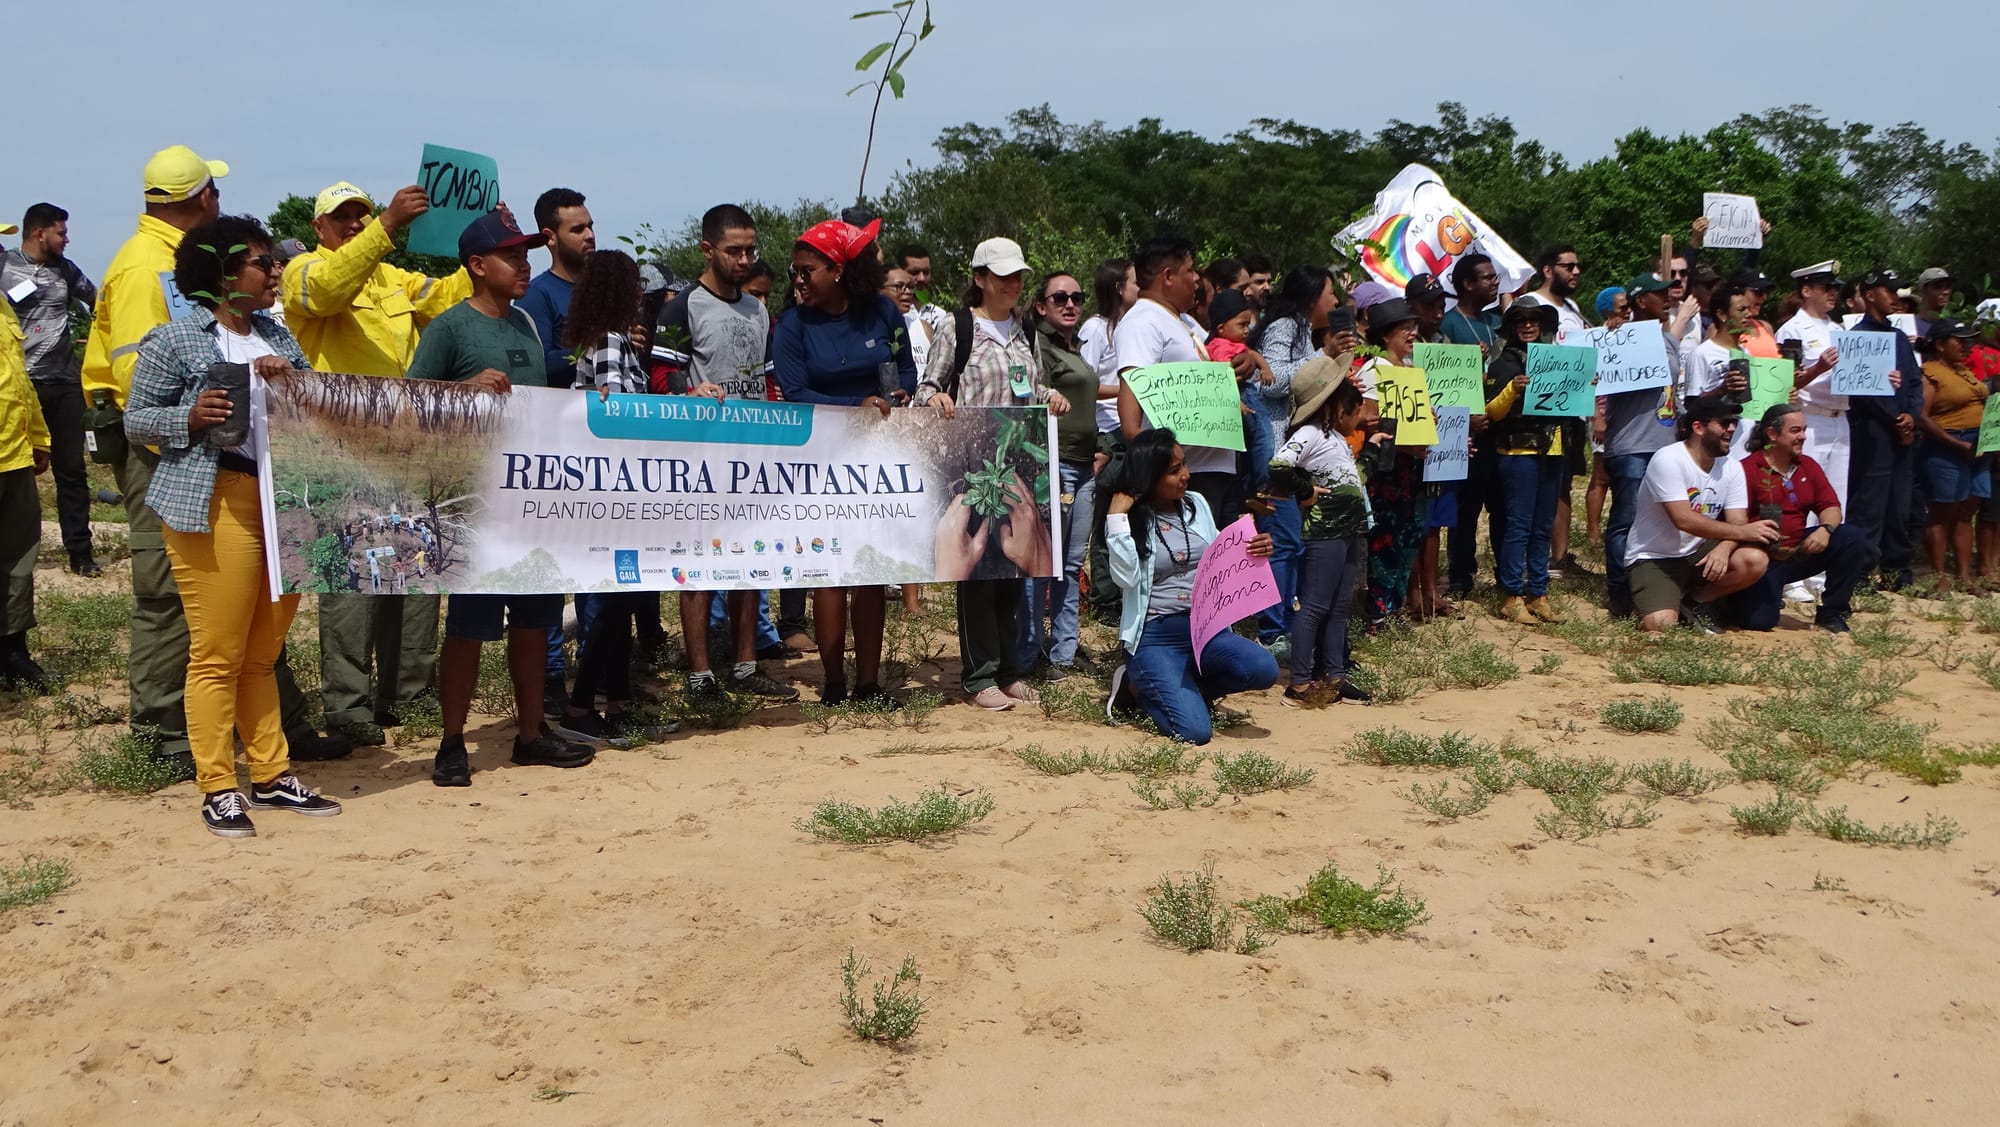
1351 691
225 815
1121 698
1702 616
388 720
452 768
551 750
286 792
308 746
1829 622
834 694
555 697
589 727
84 564
758 685
778 651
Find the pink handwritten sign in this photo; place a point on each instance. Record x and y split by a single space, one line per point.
1230 585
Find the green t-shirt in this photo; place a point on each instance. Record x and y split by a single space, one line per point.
462 342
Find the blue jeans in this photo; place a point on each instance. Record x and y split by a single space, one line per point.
1055 601
1628 476
1846 558
1164 679
1286 549
718 619
557 667
1530 483
1480 492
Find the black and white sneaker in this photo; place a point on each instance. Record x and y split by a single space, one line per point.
756 684
1702 616
286 792
587 728
225 815
1118 689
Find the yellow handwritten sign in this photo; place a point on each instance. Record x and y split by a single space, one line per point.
1406 397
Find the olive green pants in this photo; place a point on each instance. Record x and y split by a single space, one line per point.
157 669
401 634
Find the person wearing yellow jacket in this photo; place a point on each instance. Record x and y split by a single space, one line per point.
24 453
137 296
352 312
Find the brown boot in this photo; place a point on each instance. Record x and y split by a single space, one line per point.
1541 608
1516 611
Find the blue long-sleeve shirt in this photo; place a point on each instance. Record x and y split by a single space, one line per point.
819 358
1909 399
547 304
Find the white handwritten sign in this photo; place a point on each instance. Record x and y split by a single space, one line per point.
1560 381
1733 222
1451 457
1632 357
1230 585
1866 359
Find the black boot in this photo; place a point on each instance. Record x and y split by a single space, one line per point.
85 564
20 670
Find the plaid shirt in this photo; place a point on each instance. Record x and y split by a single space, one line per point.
173 366
611 363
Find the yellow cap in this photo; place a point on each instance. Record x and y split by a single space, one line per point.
175 174
339 194
9 229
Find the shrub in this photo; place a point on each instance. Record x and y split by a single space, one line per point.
895 1009
1660 714
934 813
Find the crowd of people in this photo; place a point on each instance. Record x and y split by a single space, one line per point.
1713 521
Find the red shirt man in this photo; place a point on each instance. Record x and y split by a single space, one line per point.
1806 491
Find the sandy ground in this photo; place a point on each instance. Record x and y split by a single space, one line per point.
651 933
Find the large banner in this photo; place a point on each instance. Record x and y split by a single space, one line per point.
1418 227
386 486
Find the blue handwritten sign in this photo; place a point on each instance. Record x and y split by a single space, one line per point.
1866 359
462 187
1450 457
1562 380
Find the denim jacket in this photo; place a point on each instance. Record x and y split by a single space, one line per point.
1134 575
173 365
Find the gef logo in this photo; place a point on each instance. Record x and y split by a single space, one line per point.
627 561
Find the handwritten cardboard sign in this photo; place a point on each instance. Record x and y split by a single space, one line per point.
1230 585
1989 426
1632 357
462 187
1733 222
1770 385
1450 457
1561 380
1405 396
1866 359
1455 374
1198 401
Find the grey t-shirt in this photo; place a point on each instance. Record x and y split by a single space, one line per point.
1640 422
726 343
1177 549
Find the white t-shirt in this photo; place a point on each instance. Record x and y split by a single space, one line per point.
1569 319
245 349
1704 367
999 332
1815 336
1093 340
1673 478
1150 333
920 337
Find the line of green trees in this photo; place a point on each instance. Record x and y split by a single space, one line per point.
1074 194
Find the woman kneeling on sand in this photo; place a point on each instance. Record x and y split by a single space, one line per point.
1156 531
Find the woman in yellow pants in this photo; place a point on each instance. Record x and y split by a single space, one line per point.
207 496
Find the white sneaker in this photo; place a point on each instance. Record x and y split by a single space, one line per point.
1797 592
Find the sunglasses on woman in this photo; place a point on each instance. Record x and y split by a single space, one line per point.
1061 297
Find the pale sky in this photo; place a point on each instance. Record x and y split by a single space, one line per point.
657 110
